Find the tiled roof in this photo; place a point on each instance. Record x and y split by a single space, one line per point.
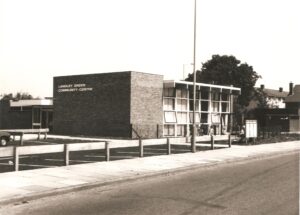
275 93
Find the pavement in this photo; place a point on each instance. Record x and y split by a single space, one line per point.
27 185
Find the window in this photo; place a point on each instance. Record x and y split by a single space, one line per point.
26 108
204 106
36 115
182 117
169 92
225 107
215 96
215 107
215 118
170 117
225 97
205 94
181 130
192 105
204 118
15 108
182 104
191 93
181 93
169 104
197 116
169 130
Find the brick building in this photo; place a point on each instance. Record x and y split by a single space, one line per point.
131 104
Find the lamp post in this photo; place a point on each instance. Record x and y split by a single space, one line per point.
193 140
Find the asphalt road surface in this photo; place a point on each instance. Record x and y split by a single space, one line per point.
264 186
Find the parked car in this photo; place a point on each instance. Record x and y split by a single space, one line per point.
4 138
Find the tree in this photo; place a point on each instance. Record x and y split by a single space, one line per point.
227 70
17 96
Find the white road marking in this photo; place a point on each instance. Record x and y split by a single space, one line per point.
83 161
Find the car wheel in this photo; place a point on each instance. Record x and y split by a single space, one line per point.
3 141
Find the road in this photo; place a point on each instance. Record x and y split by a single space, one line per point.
263 186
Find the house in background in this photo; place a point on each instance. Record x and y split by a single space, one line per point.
293 108
281 111
274 98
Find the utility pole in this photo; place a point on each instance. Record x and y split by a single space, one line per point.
193 141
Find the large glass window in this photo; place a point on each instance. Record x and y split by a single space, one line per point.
225 107
182 104
215 106
169 92
204 118
170 117
215 118
215 96
192 105
204 94
181 93
169 130
204 106
181 130
36 115
225 97
197 116
191 93
169 104
182 117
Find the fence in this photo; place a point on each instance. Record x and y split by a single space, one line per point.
268 131
65 149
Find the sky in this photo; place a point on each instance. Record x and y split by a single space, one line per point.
40 39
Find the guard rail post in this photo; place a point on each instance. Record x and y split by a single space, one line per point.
16 158
212 142
229 140
66 155
168 146
141 148
107 151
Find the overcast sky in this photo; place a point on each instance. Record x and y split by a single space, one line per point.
40 39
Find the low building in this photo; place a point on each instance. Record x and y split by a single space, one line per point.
26 114
284 117
134 104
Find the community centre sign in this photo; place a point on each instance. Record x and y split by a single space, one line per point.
73 88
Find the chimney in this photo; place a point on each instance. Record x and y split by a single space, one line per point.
291 88
280 89
262 86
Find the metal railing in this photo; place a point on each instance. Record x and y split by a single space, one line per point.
65 149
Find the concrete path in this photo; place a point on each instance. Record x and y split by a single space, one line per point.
31 184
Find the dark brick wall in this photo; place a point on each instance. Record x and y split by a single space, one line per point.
146 113
103 111
10 119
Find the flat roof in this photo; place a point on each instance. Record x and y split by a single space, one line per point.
107 73
31 102
172 84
